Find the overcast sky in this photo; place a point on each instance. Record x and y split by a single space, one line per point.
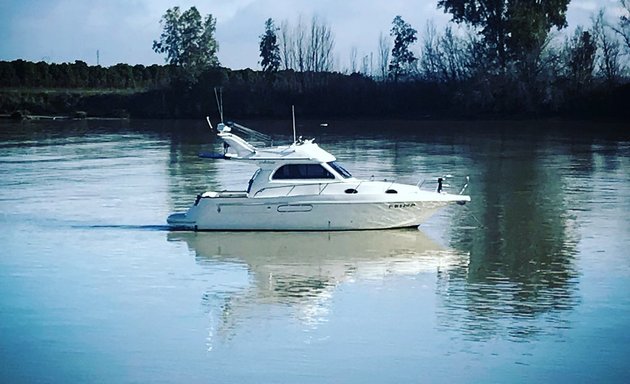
123 30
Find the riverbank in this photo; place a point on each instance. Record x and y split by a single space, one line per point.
172 92
242 100
417 101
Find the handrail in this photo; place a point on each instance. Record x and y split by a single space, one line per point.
293 186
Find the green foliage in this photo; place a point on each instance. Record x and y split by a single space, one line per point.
78 75
269 48
403 59
188 41
512 29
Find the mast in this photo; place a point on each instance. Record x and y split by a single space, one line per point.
293 116
219 97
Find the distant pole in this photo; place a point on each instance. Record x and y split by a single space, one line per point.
98 58
293 115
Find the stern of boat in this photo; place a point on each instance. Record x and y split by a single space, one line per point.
181 221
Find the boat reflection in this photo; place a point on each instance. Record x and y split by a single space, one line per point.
302 270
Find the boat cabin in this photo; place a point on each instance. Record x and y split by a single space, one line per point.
302 167
283 175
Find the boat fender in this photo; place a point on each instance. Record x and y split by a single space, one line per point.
197 200
439 188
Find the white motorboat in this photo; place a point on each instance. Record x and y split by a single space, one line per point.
301 187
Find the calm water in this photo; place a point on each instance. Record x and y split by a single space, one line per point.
529 283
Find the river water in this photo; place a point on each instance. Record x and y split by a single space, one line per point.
528 283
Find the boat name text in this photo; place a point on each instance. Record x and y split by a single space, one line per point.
401 205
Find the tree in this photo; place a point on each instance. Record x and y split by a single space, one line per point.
307 48
320 46
269 48
609 50
402 58
384 47
187 40
299 46
512 29
286 45
8 77
580 62
445 57
624 23
353 59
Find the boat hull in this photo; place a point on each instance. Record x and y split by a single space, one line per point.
301 214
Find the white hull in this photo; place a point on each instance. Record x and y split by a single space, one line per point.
320 213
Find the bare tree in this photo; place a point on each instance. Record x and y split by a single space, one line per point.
286 46
320 47
307 48
353 59
623 29
300 45
609 50
445 57
384 48
366 65
429 56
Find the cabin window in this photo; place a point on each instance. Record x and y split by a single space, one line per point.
339 169
302 171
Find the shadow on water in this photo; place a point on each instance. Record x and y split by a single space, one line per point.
522 277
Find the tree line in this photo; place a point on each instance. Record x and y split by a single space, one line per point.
26 74
496 57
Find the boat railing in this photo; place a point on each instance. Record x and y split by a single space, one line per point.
232 194
292 187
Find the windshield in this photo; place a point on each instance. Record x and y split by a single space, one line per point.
339 169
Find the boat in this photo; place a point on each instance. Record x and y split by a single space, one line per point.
302 187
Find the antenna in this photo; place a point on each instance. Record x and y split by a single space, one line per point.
219 97
293 116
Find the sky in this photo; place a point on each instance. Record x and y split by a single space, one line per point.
122 31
